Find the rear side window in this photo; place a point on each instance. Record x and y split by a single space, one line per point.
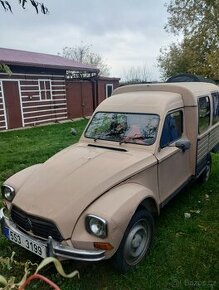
215 98
172 129
204 114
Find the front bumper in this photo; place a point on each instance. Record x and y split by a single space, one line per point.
53 248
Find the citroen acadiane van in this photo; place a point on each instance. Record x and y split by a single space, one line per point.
98 199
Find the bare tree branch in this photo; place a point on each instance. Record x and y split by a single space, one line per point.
83 53
136 74
6 5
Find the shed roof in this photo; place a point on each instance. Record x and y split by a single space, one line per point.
43 60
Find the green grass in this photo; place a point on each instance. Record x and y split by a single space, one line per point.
184 254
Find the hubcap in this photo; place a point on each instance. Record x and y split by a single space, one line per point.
136 243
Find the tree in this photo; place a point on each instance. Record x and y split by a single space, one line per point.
171 61
83 54
39 7
192 17
188 57
198 52
137 74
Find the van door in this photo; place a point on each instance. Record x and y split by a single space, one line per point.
173 163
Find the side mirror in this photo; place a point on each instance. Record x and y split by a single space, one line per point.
183 144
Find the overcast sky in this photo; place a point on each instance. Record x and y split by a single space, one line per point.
126 33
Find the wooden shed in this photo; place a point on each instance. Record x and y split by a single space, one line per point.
38 90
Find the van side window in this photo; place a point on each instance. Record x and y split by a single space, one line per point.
204 114
215 98
172 129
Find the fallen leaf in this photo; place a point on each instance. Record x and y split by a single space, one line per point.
187 215
195 211
203 228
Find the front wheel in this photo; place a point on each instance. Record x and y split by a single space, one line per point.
136 241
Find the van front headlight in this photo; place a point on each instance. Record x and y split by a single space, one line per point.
96 226
8 192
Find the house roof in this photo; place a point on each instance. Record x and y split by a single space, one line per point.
43 60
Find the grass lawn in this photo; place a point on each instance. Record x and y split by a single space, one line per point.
184 254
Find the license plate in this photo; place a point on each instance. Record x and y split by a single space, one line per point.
26 242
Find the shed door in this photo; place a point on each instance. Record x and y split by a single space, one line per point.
73 95
87 99
12 104
79 99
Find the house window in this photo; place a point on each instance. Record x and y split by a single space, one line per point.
204 114
109 90
45 89
215 98
172 129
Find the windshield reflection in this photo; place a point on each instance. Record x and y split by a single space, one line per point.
124 127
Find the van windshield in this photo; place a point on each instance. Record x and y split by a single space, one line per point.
124 127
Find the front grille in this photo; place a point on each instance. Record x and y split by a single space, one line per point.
38 226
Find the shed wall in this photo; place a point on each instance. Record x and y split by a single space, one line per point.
3 119
44 98
102 88
37 104
84 96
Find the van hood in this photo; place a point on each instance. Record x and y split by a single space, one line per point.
66 184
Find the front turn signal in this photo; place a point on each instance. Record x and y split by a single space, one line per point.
103 246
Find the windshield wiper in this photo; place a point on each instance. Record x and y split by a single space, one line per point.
122 142
108 147
97 138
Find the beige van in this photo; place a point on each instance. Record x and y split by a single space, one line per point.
98 199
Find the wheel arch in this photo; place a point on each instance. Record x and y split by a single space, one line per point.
117 207
150 205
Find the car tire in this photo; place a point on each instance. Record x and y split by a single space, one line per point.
136 241
206 174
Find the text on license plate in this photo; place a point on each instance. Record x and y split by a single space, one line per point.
25 242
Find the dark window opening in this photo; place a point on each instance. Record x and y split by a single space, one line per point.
45 89
109 90
215 98
172 129
204 114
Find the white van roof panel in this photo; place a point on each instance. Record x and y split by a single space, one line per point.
190 91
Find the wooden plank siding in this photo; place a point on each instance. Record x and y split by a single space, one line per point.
37 110
45 98
38 105
3 118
